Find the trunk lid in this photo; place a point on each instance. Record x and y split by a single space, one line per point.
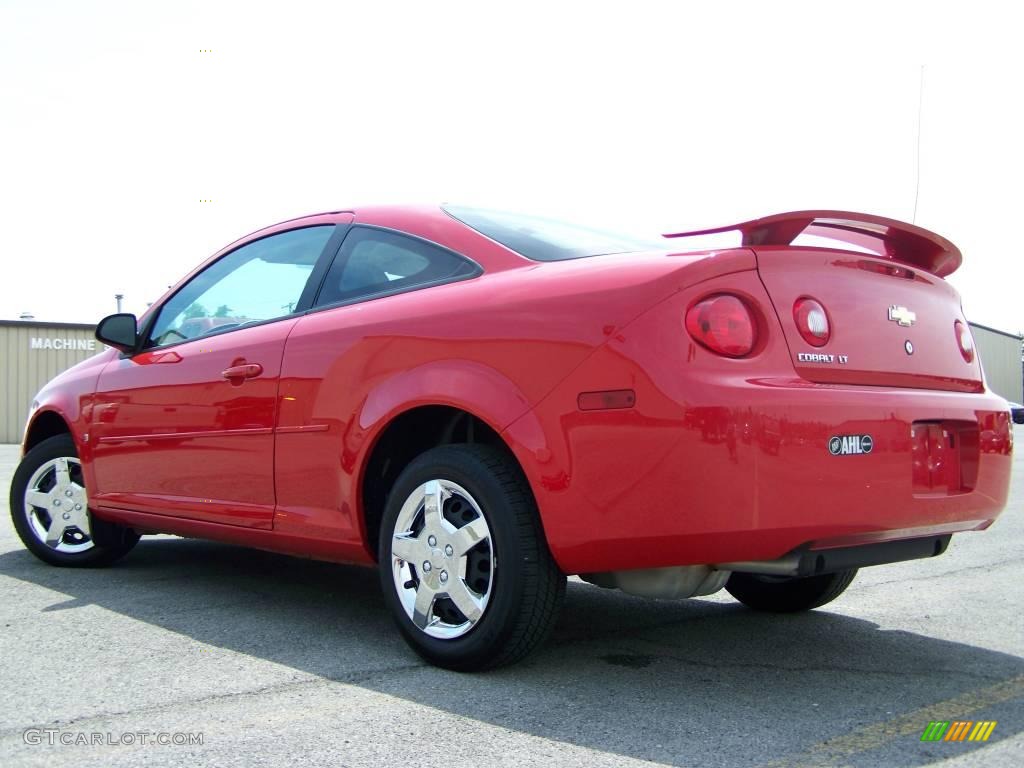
891 325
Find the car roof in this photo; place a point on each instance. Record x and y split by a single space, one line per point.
426 221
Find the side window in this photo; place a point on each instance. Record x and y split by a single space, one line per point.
373 262
259 281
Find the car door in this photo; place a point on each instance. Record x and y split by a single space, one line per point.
185 427
361 329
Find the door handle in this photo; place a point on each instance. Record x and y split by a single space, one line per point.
238 373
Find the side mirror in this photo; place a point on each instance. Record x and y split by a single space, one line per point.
119 331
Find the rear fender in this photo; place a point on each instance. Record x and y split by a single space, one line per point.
591 470
464 384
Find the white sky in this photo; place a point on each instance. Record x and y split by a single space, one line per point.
649 116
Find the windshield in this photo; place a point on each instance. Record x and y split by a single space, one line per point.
544 239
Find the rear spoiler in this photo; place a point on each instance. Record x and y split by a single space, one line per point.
896 240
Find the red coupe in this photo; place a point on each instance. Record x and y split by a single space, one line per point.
480 403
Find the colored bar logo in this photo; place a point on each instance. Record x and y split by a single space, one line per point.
958 730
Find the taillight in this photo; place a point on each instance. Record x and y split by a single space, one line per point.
964 340
723 324
812 322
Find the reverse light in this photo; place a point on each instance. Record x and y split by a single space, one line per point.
812 322
723 324
964 340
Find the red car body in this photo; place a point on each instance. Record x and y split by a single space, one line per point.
714 459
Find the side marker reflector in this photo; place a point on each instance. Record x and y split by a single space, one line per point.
606 400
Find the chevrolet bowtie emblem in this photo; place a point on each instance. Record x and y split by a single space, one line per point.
902 316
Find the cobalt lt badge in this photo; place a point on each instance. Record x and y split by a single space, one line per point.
849 445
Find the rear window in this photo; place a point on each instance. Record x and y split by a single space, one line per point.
542 239
374 262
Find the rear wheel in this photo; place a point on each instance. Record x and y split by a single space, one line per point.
50 510
785 594
464 565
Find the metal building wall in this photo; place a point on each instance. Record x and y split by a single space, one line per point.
1000 355
24 369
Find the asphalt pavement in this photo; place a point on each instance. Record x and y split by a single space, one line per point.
243 658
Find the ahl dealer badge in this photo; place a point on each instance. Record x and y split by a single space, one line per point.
849 445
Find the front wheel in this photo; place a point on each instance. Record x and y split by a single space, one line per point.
785 594
50 510
463 560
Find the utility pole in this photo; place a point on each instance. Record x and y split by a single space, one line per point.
117 298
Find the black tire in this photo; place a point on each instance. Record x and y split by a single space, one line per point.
110 541
527 588
778 594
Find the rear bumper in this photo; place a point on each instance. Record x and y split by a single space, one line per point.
676 483
722 461
805 561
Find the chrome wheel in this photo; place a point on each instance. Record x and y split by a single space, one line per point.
442 559
57 508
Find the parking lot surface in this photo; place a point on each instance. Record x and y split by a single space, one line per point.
271 660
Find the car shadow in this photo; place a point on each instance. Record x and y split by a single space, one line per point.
668 681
